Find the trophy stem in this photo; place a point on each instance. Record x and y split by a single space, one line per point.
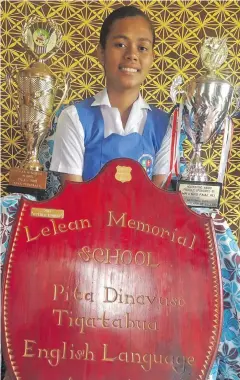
31 163
34 136
195 170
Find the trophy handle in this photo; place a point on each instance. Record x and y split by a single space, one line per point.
65 90
236 94
174 90
9 81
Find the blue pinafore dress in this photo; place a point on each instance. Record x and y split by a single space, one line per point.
100 150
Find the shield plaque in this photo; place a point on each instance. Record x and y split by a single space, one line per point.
111 279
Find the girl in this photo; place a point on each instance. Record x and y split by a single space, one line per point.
116 122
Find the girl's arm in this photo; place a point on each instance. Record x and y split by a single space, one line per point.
68 150
161 167
159 179
70 177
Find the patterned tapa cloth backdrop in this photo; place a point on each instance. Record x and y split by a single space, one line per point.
180 28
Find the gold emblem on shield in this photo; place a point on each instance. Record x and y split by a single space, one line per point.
123 174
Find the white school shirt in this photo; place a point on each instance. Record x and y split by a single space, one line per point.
68 151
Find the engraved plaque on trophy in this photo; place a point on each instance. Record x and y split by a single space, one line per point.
204 112
36 89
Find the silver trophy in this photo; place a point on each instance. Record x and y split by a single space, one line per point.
204 111
36 89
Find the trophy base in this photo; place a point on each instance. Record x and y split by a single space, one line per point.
200 194
27 181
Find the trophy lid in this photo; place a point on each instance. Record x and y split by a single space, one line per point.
41 38
213 53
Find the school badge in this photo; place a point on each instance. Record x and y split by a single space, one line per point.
123 174
146 160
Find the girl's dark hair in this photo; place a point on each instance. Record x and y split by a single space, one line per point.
122 12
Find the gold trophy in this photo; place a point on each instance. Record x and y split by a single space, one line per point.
36 87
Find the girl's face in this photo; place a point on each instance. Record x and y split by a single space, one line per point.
128 54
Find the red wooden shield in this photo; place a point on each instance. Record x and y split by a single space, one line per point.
111 279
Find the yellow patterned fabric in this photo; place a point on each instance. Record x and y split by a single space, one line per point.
180 28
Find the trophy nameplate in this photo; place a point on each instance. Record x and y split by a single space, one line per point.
200 194
27 178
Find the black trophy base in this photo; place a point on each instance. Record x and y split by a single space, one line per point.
37 193
200 194
26 181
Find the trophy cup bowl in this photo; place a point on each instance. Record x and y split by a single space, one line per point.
36 93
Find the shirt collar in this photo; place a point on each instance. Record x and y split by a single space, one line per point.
102 99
